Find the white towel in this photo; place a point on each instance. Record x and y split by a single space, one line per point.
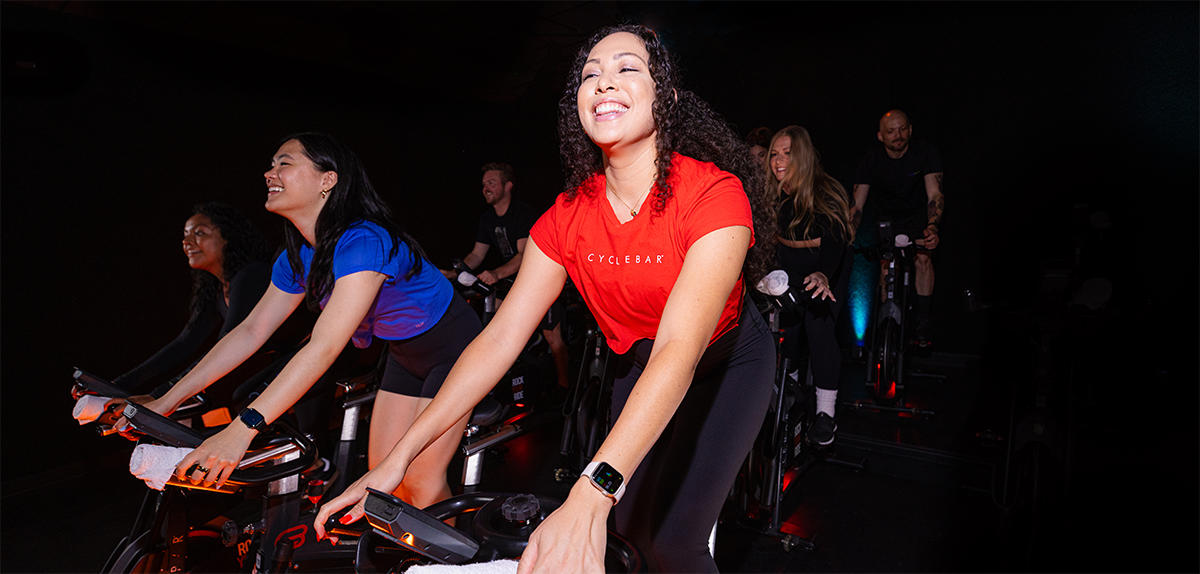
89 408
775 283
155 463
496 567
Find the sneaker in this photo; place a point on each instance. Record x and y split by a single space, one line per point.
921 334
823 429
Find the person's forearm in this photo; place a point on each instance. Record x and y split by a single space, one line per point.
226 355
509 268
296 378
936 204
472 260
860 200
651 405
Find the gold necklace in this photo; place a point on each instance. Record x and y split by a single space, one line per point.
632 211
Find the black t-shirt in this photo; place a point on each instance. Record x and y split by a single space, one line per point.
898 185
501 233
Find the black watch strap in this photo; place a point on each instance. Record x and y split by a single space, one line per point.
253 419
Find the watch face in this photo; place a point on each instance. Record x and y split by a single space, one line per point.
252 418
608 478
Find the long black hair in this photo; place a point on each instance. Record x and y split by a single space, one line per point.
686 125
244 243
352 199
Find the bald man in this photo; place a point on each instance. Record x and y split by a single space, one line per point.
906 178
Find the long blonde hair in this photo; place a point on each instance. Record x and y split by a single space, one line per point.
813 190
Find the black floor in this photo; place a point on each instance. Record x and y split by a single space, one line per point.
933 497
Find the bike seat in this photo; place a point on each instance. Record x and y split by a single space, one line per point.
488 412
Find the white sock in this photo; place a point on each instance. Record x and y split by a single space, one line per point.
826 401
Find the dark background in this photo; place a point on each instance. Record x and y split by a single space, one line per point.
1044 113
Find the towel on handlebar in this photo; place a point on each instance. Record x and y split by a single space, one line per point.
775 283
495 567
89 408
156 463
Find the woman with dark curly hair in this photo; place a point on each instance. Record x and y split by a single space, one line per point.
655 237
231 268
814 234
369 278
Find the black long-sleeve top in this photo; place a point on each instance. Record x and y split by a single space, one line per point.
246 288
830 253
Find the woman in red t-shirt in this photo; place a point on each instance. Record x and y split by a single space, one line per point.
655 239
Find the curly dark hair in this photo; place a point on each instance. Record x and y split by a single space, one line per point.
352 199
244 243
686 125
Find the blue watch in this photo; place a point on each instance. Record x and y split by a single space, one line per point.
253 419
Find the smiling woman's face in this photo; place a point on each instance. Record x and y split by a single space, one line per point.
203 245
294 183
616 94
781 157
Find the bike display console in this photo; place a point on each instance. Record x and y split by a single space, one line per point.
412 528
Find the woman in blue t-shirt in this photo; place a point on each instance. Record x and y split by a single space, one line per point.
369 278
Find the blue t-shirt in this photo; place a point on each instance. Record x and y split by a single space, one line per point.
404 308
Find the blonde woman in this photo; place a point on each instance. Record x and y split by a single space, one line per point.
814 231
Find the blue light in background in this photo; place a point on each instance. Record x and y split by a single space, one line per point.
862 288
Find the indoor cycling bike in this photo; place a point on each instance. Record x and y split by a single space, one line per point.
280 537
186 527
888 348
782 452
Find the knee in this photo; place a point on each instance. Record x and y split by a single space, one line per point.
924 262
421 491
554 339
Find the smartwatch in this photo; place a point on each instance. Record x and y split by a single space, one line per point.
253 419
606 479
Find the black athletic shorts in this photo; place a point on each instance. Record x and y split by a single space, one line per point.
417 366
554 316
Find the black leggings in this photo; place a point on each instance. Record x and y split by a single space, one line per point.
819 320
673 500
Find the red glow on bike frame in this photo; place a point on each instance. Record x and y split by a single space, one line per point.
891 392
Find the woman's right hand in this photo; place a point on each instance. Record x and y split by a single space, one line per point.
379 478
160 406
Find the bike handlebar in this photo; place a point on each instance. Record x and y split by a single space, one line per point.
165 430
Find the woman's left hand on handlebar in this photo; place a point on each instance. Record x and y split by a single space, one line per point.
572 538
213 461
818 283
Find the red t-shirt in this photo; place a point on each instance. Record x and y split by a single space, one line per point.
625 271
